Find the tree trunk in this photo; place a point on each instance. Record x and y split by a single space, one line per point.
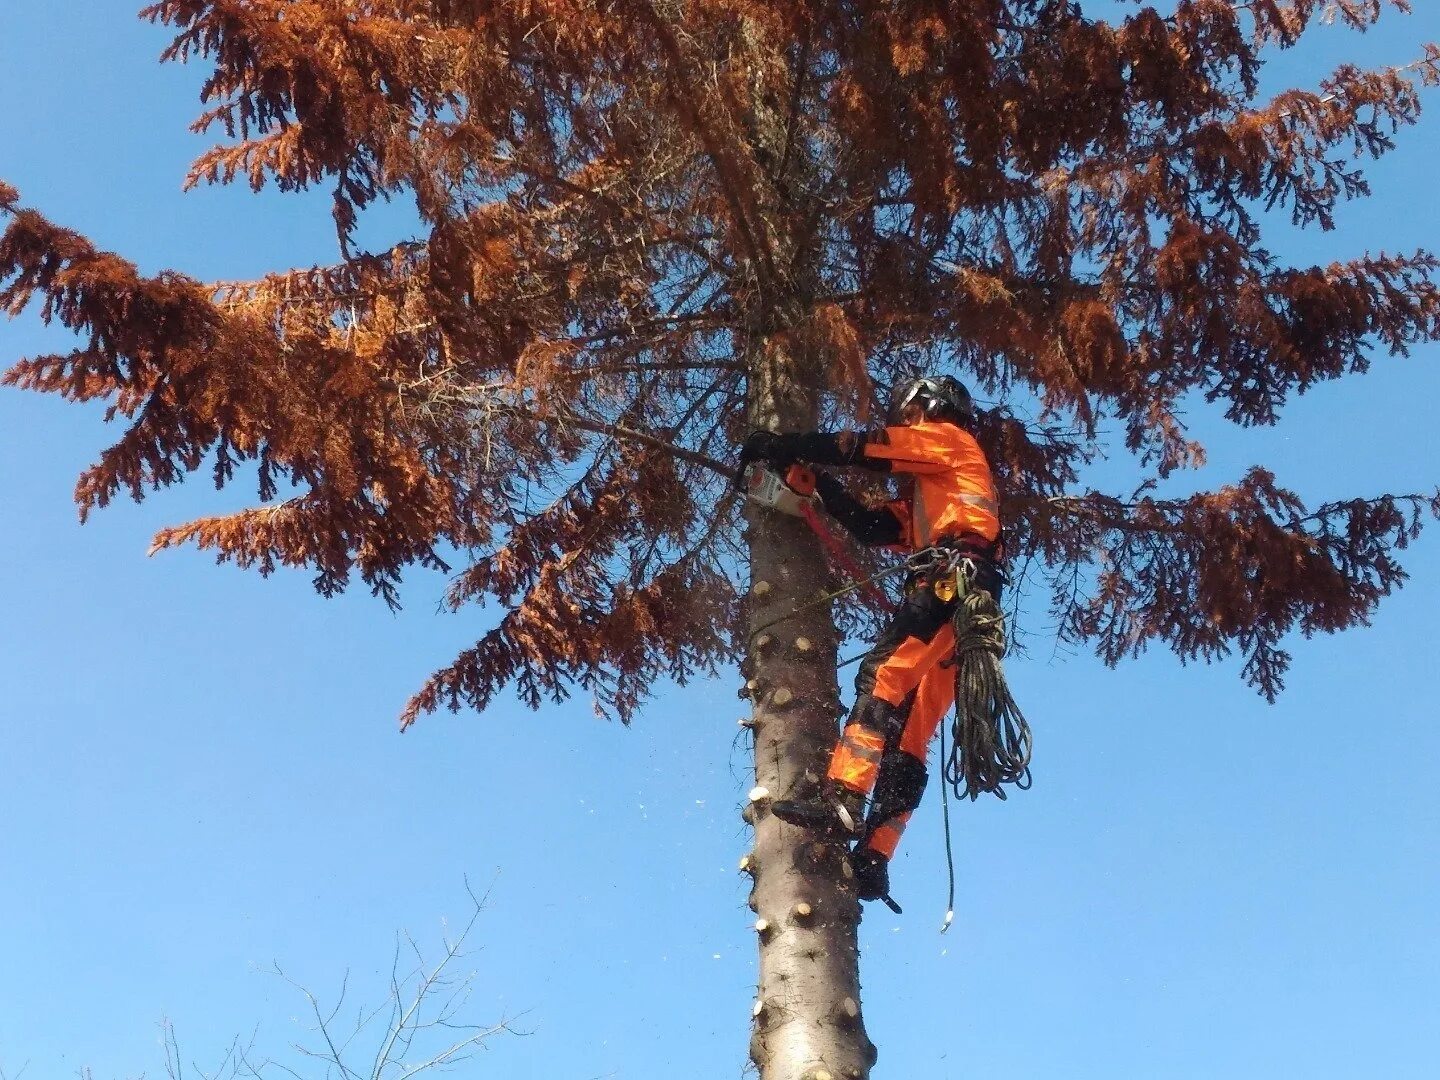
806 1022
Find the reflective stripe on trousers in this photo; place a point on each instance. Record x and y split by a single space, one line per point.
886 838
856 761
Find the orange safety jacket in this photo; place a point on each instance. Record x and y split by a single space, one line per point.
953 488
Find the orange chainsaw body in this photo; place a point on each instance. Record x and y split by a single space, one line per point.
789 494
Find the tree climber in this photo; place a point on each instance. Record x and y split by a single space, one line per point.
906 682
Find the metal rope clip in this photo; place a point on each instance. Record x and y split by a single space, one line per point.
925 559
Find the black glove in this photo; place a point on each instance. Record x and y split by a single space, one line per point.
764 446
831 491
872 873
816 447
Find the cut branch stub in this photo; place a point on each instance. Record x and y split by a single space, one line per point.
847 1012
782 697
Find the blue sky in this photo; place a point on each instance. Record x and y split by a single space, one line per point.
200 775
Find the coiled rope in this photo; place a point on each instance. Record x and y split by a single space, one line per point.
992 739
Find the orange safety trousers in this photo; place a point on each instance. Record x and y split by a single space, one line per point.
905 687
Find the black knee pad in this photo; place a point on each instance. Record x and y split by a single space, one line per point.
900 786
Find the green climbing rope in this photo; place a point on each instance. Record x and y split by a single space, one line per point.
992 739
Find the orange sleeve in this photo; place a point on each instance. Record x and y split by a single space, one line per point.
919 448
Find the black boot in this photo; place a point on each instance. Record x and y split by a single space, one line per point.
834 810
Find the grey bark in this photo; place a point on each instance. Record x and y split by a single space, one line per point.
807 1023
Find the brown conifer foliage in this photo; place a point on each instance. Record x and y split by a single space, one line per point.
646 226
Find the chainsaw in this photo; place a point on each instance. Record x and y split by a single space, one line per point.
793 493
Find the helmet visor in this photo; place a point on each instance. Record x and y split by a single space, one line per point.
904 396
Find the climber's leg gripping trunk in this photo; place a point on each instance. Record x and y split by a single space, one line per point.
855 764
893 690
